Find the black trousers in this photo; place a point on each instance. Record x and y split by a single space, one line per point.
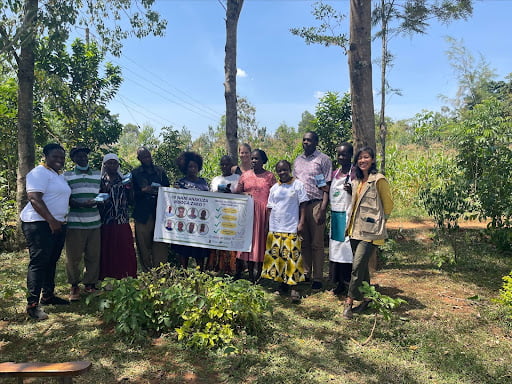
44 249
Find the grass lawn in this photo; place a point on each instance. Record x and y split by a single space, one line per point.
448 332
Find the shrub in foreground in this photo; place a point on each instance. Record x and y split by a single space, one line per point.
505 296
204 312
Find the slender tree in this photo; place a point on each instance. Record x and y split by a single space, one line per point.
248 131
473 76
406 18
25 61
383 15
233 9
359 59
360 69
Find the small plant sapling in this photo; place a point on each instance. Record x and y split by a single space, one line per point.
382 304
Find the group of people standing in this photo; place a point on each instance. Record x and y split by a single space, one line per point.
88 212
291 215
288 226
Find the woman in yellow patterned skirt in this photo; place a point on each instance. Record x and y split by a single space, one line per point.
286 205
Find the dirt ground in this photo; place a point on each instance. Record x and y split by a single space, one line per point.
429 295
428 224
427 286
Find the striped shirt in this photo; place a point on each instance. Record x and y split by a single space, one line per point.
305 168
84 186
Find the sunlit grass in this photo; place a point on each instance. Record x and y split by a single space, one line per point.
448 332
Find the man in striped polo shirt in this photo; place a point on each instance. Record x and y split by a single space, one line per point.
83 236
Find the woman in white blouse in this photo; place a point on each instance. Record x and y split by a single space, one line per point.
43 221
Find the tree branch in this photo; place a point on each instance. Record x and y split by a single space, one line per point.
8 45
222 5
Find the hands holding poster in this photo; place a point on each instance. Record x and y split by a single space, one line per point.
204 219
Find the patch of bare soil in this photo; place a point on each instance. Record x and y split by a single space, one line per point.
429 224
428 293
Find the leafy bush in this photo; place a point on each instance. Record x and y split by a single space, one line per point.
429 128
505 297
9 291
387 251
205 312
447 203
408 170
7 224
500 237
474 183
483 138
211 161
333 121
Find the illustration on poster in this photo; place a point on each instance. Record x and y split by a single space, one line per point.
204 219
180 212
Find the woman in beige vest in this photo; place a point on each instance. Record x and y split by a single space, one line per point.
371 206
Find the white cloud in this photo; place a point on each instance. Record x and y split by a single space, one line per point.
319 94
240 73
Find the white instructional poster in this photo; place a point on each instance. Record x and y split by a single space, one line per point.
204 219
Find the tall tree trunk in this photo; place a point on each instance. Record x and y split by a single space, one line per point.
26 146
233 10
360 68
383 131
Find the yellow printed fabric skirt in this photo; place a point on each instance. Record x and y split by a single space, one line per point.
283 259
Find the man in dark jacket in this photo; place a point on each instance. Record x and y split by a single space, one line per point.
146 180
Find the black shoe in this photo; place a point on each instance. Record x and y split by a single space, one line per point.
54 300
283 288
307 279
347 312
340 289
361 307
36 313
317 285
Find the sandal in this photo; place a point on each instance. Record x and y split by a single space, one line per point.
361 307
347 311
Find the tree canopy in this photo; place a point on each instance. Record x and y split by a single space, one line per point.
24 23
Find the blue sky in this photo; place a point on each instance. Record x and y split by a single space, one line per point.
178 79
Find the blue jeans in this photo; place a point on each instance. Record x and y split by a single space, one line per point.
44 249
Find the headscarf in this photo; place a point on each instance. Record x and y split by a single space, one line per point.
107 157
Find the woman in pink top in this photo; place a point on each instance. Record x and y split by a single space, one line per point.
257 183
